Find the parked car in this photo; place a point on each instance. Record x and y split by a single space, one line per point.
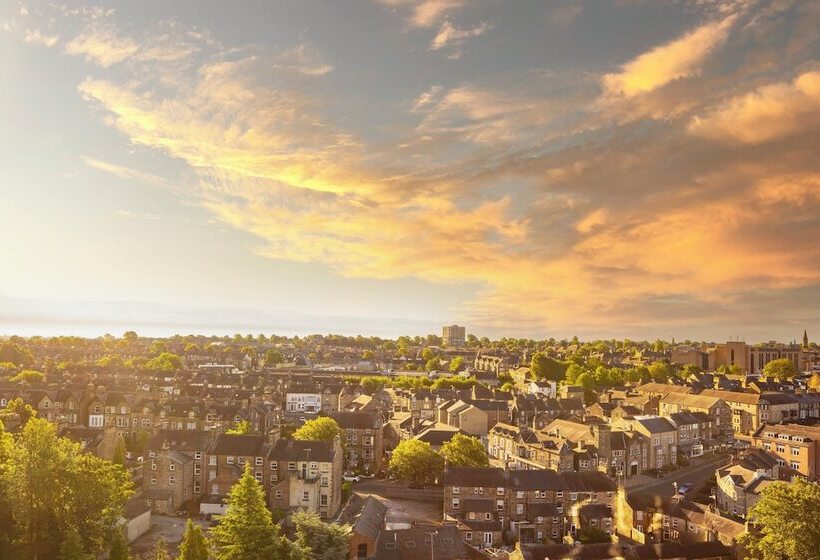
350 477
684 488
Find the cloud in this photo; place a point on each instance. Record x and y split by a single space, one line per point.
35 37
103 46
557 218
126 172
426 13
680 58
450 35
302 59
769 112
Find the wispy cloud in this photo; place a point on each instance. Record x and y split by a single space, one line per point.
426 13
452 36
681 58
303 59
126 172
35 37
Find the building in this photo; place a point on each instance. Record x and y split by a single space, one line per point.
454 336
306 475
740 483
794 445
751 410
662 449
364 440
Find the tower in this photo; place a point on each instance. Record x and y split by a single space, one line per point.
805 339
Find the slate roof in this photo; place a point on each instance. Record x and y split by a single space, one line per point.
297 450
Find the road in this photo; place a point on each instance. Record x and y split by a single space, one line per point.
695 475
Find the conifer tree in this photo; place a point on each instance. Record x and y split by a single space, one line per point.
72 547
246 531
119 547
194 545
160 551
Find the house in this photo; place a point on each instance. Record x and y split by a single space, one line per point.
424 543
740 483
366 516
663 439
545 388
364 439
713 407
306 474
794 445
136 518
173 468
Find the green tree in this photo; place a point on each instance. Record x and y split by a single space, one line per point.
457 364
193 546
585 380
784 521
273 357
465 451
660 372
241 427
164 362
119 546
246 531
52 483
29 376
781 369
545 368
160 551
433 364
318 540
322 428
72 547
415 462
590 535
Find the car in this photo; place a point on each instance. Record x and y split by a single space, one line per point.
684 488
350 477
368 475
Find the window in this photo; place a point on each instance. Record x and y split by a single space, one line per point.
278 494
305 496
456 489
500 491
488 516
499 505
197 469
153 481
795 465
468 536
559 494
171 480
291 466
258 476
230 459
198 455
153 466
323 500
361 551
455 503
258 462
171 465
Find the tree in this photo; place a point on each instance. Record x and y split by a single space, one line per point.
781 369
322 428
585 380
457 364
246 531
119 452
164 362
241 427
590 535
52 483
29 376
660 372
273 357
415 462
784 523
433 364
318 540
465 451
72 547
119 547
193 546
544 367
574 371
160 551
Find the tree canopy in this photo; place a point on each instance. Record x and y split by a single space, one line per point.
322 428
416 462
465 451
193 546
317 540
785 526
781 369
57 492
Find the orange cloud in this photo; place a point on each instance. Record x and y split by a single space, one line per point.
767 113
663 64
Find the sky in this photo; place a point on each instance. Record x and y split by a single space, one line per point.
606 169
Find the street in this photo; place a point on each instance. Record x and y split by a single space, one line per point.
695 475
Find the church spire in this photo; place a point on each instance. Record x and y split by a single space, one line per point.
805 339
